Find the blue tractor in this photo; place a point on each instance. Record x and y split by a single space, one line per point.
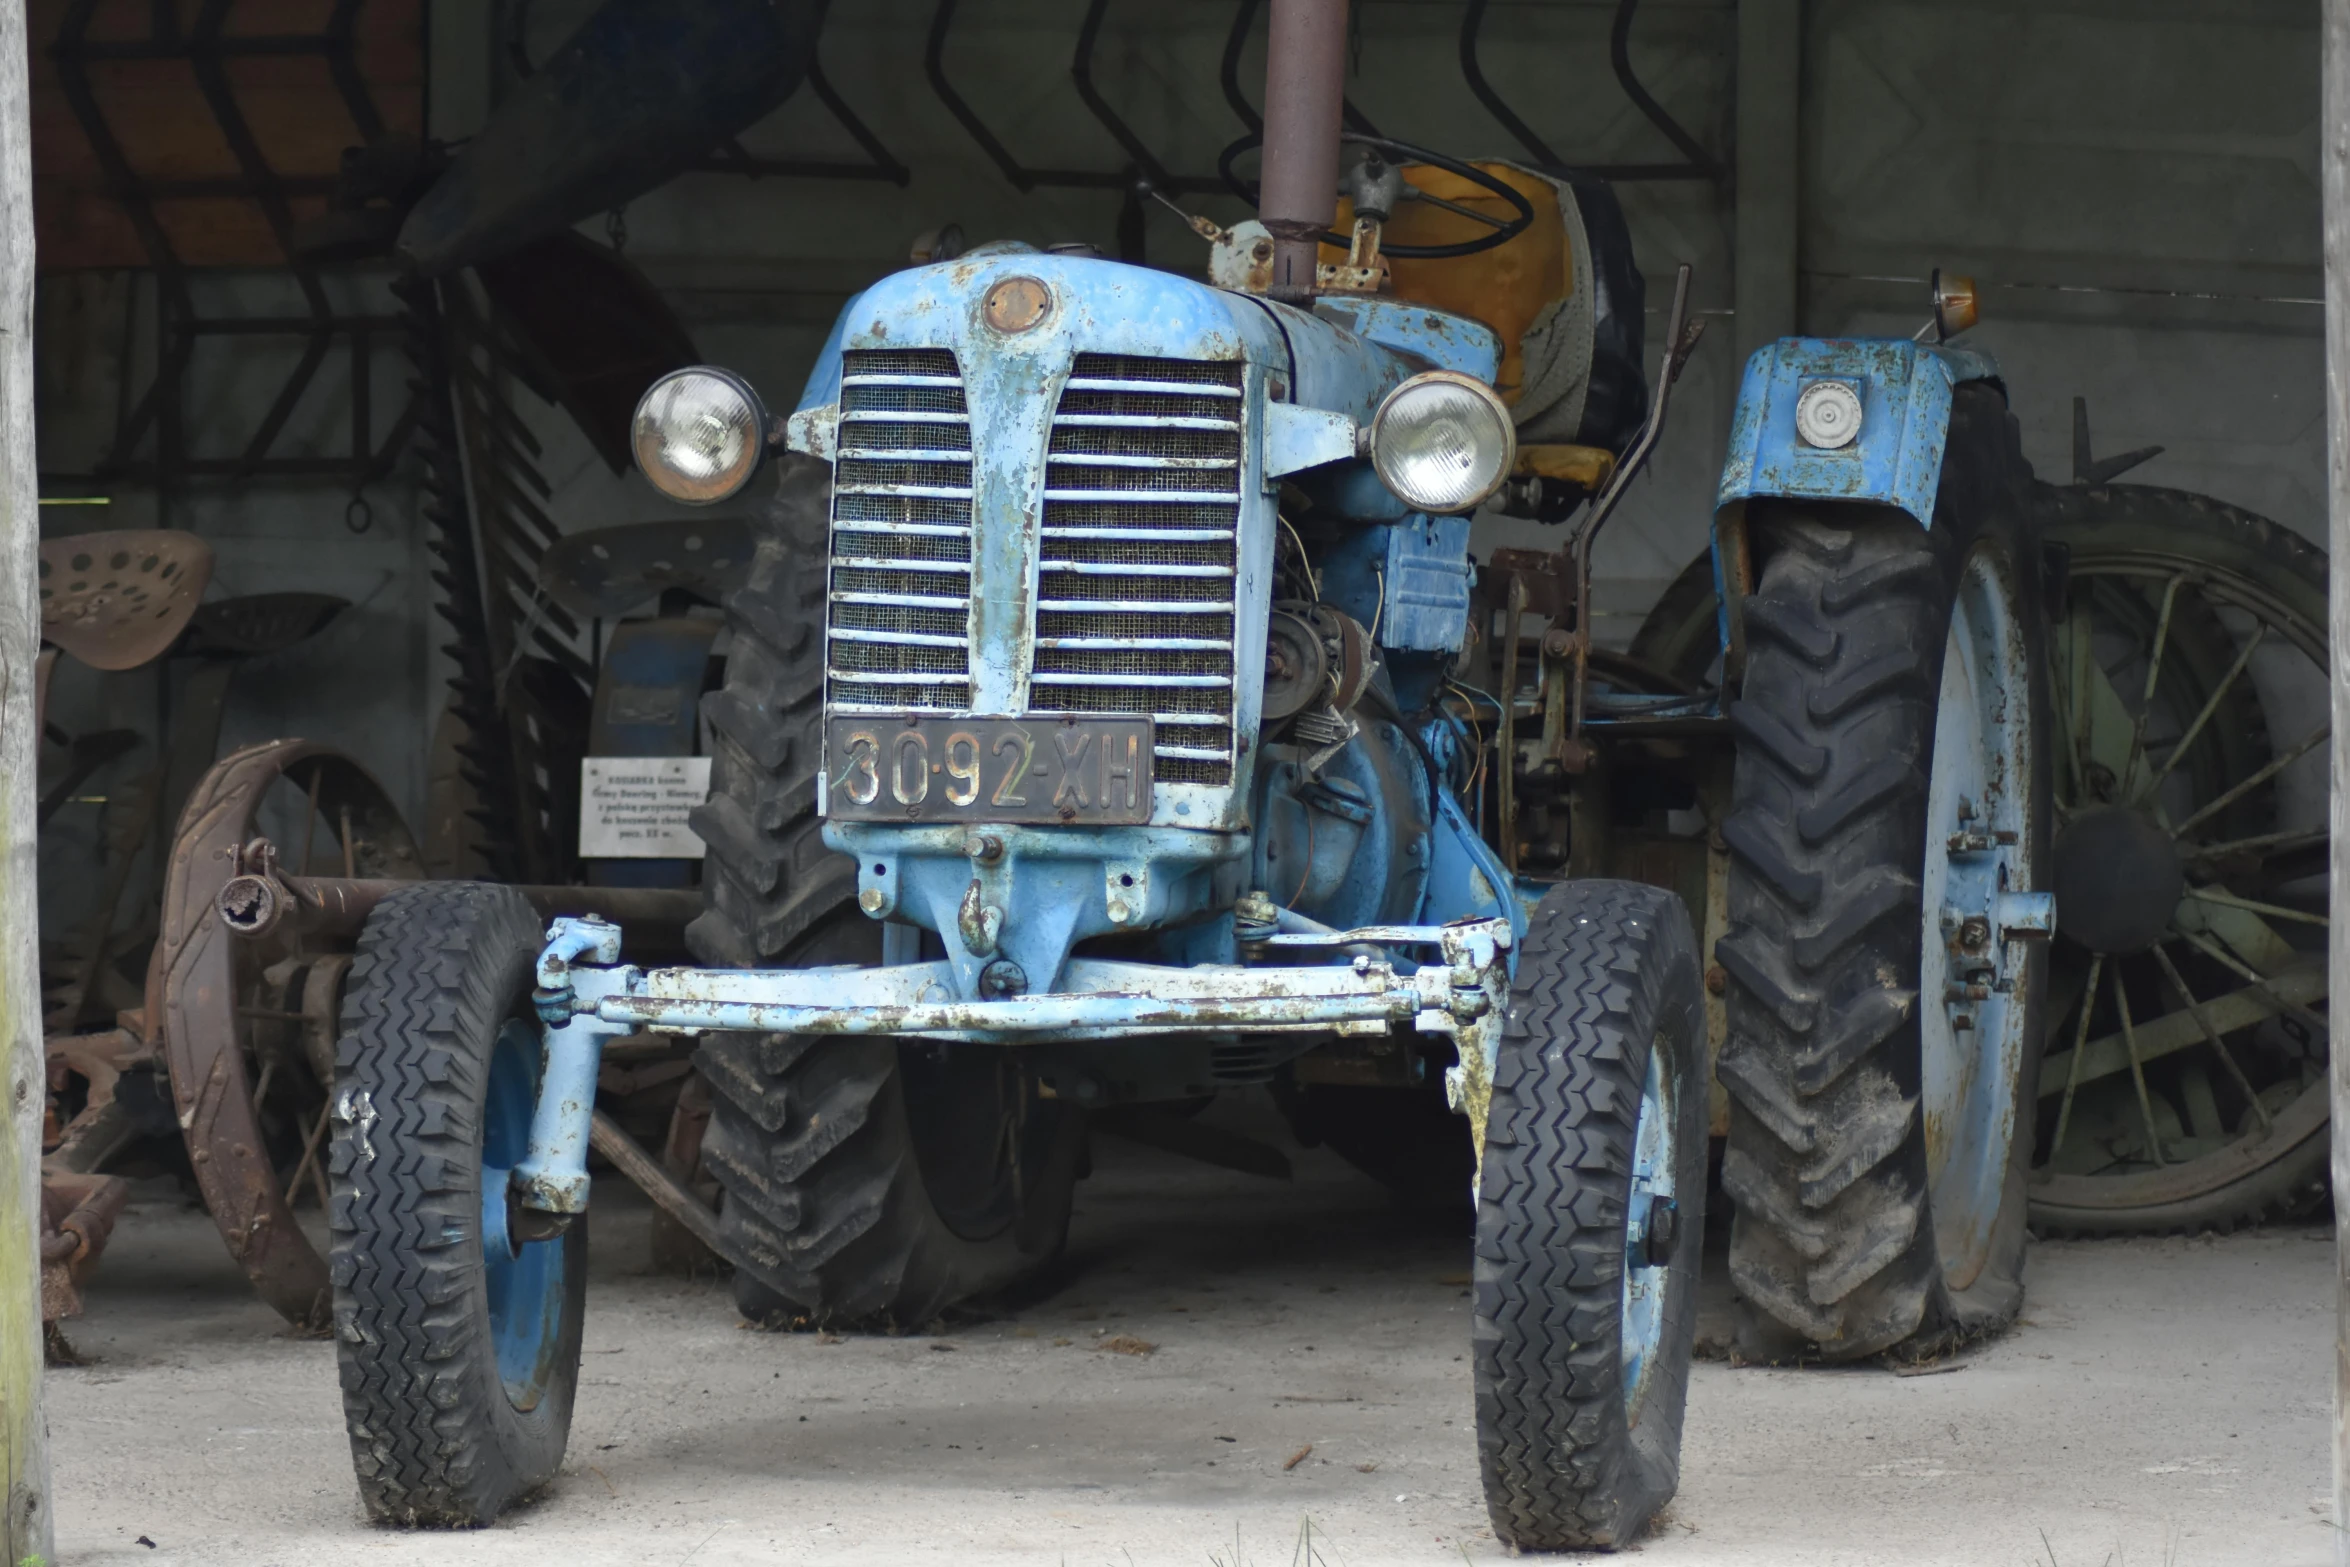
1099 730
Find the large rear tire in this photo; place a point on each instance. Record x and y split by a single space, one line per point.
458 1342
1590 1216
1891 780
865 1179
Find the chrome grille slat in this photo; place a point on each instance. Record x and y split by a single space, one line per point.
1132 533
1138 561
899 611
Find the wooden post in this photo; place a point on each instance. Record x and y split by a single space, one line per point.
2334 181
24 1435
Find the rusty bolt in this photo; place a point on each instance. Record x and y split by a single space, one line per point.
1717 979
1558 642
1975 933
984 848
1663 1231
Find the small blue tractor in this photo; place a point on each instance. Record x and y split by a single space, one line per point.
1107 722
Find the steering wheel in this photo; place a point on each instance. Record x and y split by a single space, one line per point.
1504 229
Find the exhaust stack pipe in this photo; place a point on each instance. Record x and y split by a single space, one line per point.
1305 88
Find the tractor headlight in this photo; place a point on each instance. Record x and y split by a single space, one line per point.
699 434
1443 442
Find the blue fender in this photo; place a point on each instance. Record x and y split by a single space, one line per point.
1896 460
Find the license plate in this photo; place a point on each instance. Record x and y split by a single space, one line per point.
1056 769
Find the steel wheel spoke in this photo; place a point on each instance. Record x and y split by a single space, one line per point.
2170 599
2211 1035
2077 689
2267 844
2065 704
2072 1078
2228 900
310 821
2226 959
2121 1003
2276 766
2179 747
310 1162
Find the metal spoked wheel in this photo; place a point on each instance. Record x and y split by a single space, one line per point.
249 1026
2184 1085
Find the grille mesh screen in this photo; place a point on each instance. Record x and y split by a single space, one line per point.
1147 555
876 567
1103 575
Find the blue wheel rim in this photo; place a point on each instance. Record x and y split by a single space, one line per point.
1979 847
1645 1284
524 1283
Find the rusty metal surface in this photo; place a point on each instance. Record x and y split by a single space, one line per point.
116 599
669 1194
1305 87
100 1128
253 624
195 988
257 900
77 1216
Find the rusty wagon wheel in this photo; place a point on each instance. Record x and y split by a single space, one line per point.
249 1025
2185 1080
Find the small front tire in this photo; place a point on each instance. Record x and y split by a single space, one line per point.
1590 1215
458 1343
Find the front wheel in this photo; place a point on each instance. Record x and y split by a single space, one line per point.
1590 1215
458 1340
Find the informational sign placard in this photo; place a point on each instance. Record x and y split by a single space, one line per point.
634 807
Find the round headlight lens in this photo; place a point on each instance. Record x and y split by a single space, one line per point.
1443 442
699 434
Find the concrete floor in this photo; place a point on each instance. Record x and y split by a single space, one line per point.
2164 1403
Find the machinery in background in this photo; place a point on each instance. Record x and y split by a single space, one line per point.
2189 1031
120 600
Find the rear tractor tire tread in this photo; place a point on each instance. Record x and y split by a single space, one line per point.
1834 1252
827 1215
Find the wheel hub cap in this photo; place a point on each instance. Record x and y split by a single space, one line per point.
2118 879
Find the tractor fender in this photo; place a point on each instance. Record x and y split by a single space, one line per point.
1903 391
1894 459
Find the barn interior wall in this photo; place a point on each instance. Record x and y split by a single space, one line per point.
2132 182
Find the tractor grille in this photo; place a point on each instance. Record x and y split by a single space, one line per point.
899 617
1137 562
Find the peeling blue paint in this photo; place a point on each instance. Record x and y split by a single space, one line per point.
1445 342
1896 460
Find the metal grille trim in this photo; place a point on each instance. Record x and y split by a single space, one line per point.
1138 559
899 613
